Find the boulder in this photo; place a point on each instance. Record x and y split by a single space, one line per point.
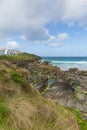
45 63
73 70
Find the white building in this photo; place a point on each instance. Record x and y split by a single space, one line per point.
9 52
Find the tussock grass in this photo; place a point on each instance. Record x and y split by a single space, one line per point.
26 115
4 113
21 114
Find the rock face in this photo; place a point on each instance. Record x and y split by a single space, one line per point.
24 63
69 91
39 75
69 88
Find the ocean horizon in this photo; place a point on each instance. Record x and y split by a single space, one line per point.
65 63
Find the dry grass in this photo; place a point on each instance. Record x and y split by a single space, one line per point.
21 114
37 115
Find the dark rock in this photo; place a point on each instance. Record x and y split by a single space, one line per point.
43 85
73 70
24 63
45 63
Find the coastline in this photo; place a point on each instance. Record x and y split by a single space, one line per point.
67 88
66 63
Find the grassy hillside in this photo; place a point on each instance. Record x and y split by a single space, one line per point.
22 107
19 57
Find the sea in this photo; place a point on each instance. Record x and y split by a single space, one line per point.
65 63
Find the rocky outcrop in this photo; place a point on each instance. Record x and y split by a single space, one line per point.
69 87
24 63
45 63
69 91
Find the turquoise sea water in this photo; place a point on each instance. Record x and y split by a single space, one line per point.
68 62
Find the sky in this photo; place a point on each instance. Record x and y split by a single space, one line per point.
44 27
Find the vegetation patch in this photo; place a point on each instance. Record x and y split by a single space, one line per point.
1 75
17 78
81 123
18 57
47 88
4 111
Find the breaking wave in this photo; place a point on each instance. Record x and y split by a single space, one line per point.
65 63
70 62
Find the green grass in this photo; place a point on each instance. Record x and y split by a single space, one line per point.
4 112
46 89
1 75
81 123
17 58
17 78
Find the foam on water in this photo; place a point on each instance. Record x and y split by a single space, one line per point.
70 62
66 63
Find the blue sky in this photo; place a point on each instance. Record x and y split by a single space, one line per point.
44 27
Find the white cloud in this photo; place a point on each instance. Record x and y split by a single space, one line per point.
63 36
30 17
57 40
12 44
23 37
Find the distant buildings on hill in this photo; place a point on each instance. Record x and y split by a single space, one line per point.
9 52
